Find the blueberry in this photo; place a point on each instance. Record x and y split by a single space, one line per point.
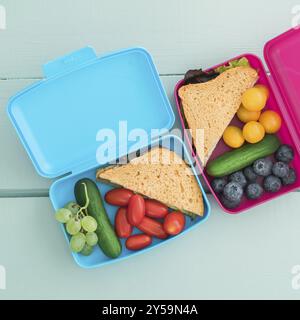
280 169
233 192
218 184
230 204
272 184
250 174
238 177
254 191
263 167
285 153
290 178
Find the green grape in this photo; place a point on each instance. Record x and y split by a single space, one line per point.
91 238
87 250
63 215
77 242
73 226
73 207
89 224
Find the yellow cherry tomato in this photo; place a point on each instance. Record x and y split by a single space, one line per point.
253 132
254 99
271 121
264 89
233 137
246 116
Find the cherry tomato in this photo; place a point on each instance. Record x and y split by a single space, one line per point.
253 132
122 226
246 116
136 210
118 197
138 242
152 228
155 209
264 89
174 223
254 99
271 121
233 137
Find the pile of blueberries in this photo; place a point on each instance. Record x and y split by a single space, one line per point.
275 175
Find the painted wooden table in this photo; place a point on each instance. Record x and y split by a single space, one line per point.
246 256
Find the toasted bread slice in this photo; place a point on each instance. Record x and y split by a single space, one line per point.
211 106
159 174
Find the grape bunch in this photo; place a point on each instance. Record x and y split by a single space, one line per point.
80 226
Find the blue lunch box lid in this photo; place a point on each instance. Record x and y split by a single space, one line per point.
58 118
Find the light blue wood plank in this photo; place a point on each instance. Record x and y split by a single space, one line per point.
229 257
180 34
246 256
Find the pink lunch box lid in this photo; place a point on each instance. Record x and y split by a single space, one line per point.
282 55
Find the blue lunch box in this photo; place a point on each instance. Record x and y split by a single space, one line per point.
57 120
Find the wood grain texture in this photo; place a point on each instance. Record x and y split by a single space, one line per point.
180 34
229 257
243 257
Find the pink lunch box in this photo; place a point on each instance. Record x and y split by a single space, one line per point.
282 55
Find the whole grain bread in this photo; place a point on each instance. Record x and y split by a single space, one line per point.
159 174
211 106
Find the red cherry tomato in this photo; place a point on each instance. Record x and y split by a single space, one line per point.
118 197
122 226
174 223
155 209
136 210
138 242
152 228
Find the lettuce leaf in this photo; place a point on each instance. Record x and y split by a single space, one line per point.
243 62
